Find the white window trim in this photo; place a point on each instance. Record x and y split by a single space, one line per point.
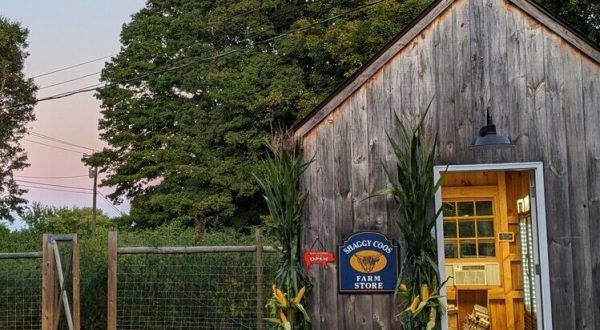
543 290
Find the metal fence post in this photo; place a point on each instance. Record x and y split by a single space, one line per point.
112 281
260 305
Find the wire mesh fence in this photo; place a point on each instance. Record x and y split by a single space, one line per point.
20 293
190 291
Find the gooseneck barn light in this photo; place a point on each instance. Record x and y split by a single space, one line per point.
488 139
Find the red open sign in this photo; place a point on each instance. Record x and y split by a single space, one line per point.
318 257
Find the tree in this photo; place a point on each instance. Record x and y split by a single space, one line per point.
583 15
50 219
183 143
15 90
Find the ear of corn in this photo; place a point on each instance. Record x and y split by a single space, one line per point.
281 297
415 304
299 296
432 317
424 292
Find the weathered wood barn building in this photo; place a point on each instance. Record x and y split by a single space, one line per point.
518 232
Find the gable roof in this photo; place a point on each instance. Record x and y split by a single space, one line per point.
435 9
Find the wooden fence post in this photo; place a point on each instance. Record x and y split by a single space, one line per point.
260 305
76 282
48 285
112 281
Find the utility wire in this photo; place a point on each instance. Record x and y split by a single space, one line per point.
54 189
203 60
107 56
52 185
55 147
70 80
114 207
52 177
214 37
72 66
53 139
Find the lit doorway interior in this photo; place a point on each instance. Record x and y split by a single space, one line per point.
488 240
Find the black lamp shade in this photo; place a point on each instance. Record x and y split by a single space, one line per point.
488 139
492 142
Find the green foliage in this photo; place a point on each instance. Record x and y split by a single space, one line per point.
156 274
413 190
15 89
583 15
280 184
49 219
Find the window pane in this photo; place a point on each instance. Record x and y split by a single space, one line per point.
450 229
466 229
484 208
465 209
485 228
451 249
449 209
468 249
486 248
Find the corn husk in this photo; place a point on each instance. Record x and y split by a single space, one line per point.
415 304
424 292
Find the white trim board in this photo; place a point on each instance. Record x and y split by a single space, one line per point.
544 302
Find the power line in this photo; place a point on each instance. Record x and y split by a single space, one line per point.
53 139
54 189
52 177
214 37
107 56
110 204
71 191
72 66
70 80
55 147
52 185
203 60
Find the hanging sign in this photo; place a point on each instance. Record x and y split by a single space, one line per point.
318 257
368 263
321 258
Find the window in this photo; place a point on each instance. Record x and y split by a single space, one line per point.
469 229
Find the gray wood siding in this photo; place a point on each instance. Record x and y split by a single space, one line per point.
542 91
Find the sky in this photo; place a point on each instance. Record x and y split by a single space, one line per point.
63 33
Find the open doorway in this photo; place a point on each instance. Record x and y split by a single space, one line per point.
489 245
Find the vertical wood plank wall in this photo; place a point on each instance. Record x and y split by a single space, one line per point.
542 92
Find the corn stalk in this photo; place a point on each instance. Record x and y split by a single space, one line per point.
417 292
281 190
285 311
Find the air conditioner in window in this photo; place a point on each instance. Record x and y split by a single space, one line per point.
473 273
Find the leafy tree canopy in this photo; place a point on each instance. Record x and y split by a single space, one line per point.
184 142
584 15
50 219
15 89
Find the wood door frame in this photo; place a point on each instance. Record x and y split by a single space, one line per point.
544 304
